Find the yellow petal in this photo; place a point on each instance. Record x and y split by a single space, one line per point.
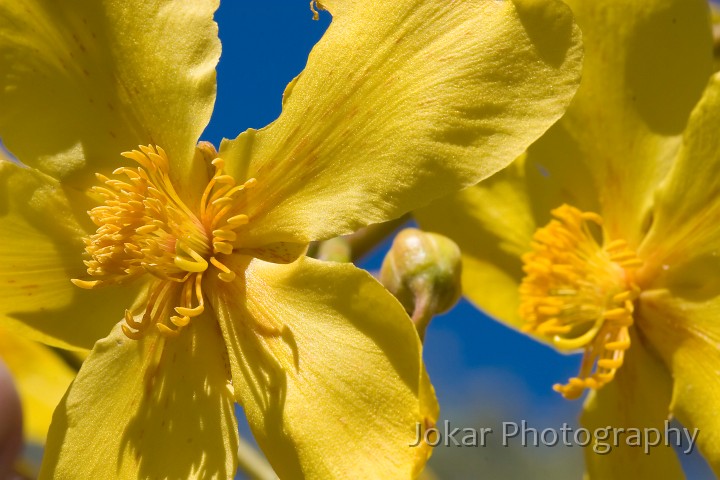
493 223
83 82
685 228
638 398
152 408
41 378
402 102
40 251
646 64
686 333
281 252
606 155
327 366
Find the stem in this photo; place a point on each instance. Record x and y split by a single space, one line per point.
351 248
250 461
336 250
365 239
422 314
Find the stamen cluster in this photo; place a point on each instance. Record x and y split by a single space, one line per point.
578 294
145 227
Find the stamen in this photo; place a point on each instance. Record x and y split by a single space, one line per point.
238 220
166 331
145 227
86 284
226 275
578 294
197 264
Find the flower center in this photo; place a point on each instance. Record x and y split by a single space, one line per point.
144 227
578 294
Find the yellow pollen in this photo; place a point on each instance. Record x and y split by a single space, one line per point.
145 227
579 295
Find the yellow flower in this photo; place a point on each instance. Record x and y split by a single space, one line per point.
41 378
199 255
604 237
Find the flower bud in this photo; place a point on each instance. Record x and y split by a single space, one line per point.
334 250
423 271
207 150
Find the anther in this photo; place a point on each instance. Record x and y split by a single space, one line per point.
226 275
190 312
164 330
86 284
180 321
238 220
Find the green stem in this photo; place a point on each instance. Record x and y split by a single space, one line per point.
364 240
253 463
351 248
422 314
335 250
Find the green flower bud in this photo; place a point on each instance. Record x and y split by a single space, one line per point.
423 271
334 250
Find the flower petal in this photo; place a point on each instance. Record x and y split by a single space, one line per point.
400 103
276 252
493 223
606 155
638 398
646 64
85 81
687 205
41 378
40 251
327 366
686 333
159 408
